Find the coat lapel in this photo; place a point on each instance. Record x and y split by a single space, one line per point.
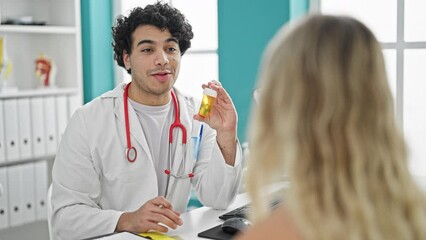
136 132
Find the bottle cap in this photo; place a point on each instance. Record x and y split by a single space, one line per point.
210 92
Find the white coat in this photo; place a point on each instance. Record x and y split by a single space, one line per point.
93 183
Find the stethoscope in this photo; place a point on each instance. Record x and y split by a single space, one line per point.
131 153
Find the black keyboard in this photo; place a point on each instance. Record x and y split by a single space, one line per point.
244 210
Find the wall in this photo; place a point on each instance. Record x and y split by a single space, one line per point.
96 21
245 28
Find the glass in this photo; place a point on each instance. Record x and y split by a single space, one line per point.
127 5
390 62
195 70
415 18
383 26
202 15
415 109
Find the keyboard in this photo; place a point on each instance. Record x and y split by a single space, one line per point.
244 210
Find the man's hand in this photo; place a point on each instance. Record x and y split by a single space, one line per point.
149 216
223 118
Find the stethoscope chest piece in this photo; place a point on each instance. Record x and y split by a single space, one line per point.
131 154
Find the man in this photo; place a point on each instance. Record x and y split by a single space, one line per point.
115 169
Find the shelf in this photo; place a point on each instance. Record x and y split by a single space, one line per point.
37 92
27 160
37 29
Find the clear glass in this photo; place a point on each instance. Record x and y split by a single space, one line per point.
415 109
378 15
202 15
127 5
390 62
415 17
195 70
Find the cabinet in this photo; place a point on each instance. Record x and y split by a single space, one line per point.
33 117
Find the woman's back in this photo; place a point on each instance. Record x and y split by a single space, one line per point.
326 120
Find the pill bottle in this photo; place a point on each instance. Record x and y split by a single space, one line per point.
209 97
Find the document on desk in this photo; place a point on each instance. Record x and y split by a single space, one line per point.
121 236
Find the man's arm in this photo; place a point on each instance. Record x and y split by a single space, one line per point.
76 187
223 118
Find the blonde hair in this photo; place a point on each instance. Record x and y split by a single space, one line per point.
326 120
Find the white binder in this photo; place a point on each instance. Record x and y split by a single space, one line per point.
41 189
2 133
50 124
74 102
4 210
37 125
16 216
28 191
10 109
61 116
24 123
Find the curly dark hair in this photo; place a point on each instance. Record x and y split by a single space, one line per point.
161 15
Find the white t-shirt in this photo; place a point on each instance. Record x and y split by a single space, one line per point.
156 121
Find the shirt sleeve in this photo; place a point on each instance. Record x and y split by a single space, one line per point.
216 183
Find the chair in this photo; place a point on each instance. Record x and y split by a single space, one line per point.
49 211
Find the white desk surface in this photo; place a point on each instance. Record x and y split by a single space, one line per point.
203 218
195 221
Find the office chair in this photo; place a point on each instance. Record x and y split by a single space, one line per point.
49 211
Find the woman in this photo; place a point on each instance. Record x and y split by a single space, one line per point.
325 120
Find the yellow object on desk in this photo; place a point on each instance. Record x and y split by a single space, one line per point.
157 236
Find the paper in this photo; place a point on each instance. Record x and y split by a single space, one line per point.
122 236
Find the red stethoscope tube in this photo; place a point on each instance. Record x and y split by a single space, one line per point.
131 153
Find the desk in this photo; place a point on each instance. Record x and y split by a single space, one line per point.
203 218
196 221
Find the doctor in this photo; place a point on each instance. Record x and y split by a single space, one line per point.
110 170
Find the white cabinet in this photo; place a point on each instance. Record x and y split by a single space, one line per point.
59 39
33 116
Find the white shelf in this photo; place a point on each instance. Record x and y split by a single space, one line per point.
37 92
37 29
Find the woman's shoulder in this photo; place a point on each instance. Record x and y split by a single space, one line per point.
278 225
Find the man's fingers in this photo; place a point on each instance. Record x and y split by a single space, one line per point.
169 214
159 218
161 202
156 227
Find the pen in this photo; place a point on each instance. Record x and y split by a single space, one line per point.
201 133
197 142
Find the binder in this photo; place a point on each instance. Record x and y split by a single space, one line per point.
37 126
2 133
28 191
24 123
41 189
4 197
61 116
49 107
10 109
14 177
74 102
